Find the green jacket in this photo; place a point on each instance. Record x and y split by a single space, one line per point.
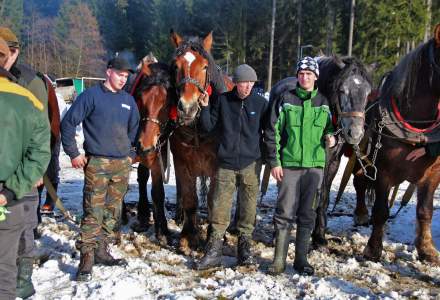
24 139
298 122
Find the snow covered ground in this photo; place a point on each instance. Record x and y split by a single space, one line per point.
158 273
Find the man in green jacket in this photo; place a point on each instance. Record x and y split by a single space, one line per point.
27 78
24 156
299 123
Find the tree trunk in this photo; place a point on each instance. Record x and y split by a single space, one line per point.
299 17
272 37
330 26
350 34
428 20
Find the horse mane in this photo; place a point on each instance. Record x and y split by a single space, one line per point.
333 82
403 79
214 72
160 75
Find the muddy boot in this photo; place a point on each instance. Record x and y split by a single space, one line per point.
281 247
244 254
86 261
213 255
301 265
103 257
25 288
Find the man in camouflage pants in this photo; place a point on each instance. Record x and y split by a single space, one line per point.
110 120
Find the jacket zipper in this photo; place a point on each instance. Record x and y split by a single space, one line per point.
239 132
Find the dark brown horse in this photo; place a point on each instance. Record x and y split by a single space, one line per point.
151 90
406 116
194 152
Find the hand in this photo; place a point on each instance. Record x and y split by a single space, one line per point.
416 154
3 200
130 160
330 140
79 162
204 99
38 183
277 173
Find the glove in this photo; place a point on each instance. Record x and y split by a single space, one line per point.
3 212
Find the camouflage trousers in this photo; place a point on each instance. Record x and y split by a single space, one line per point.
105 185
226 184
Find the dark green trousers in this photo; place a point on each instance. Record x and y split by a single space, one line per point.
226 183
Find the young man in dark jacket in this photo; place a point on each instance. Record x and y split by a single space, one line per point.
238 115
110 119
299 123
24 156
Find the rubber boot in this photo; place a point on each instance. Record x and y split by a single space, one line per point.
301 265
103 257
213 254
281 247
25 288
244 254
86 262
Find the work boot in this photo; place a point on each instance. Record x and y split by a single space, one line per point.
25 288
103 257
244 255
281 247
213 254
301 265
86 261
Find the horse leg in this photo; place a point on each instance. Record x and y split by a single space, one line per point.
189 234
178 215
380 215
423 242
158 199
360 216
323 195
143 215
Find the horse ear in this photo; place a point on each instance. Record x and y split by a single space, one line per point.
371 68
207 42
437 35
338 61
176 39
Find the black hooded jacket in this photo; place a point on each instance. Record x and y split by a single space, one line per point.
240 125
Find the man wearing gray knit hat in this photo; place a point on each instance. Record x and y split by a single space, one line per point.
238 115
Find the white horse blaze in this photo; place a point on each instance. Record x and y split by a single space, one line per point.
189 57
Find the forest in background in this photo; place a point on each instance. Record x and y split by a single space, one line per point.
76 38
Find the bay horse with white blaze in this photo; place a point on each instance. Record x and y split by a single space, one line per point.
194 72
406 116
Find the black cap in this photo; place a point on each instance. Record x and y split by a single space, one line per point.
119 63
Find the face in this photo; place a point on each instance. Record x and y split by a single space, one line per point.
191 73
307 79
353 95
12 58
244 88
116 79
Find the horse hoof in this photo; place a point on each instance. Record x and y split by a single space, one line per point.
162 240
319 243
431 258
372 254
361 220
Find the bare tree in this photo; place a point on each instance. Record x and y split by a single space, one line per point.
350 34
272 37
428 20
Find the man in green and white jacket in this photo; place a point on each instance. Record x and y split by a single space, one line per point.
299 126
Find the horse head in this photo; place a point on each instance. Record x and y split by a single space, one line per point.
191 72
348 91
152 97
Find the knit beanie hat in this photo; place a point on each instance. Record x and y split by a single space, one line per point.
9 37
244 73
309 64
